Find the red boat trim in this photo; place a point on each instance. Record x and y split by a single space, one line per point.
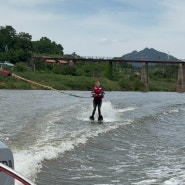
9 171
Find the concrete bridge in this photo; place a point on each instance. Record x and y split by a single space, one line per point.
144 66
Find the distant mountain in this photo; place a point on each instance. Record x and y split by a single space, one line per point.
149 54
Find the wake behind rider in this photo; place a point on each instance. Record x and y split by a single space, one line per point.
97 94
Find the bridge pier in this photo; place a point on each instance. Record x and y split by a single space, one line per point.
180 80
144 75
71 62
110 76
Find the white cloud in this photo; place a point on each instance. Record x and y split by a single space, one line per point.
101 29
106 41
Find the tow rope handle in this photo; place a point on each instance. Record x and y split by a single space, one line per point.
4 72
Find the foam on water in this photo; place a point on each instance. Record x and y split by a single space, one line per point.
49 145
172 176
29 162
126 109
176 180
110 114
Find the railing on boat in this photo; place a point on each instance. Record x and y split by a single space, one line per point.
12 173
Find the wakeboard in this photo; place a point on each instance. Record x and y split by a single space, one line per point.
100 119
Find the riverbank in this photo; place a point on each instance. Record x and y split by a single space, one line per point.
60 82
68 82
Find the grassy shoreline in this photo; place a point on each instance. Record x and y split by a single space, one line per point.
60 82
67 82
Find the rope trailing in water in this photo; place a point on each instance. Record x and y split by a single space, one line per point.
7 73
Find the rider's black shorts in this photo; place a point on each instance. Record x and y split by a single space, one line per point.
97 101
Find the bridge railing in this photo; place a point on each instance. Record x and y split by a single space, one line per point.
96 57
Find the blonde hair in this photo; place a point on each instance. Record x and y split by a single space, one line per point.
97 84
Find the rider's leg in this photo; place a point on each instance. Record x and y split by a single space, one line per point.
94 110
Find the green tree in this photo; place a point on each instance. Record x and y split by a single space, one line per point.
69 70
124 84
23 41
21 67
14 47
7 38
46 46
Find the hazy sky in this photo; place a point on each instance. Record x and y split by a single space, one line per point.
101 27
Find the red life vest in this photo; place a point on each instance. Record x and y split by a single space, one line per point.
98 92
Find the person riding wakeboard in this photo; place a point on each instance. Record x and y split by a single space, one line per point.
97 94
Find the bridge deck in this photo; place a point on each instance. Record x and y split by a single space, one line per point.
94 59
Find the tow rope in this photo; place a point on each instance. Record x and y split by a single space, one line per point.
7 73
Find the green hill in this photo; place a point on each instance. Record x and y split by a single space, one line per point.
149 54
